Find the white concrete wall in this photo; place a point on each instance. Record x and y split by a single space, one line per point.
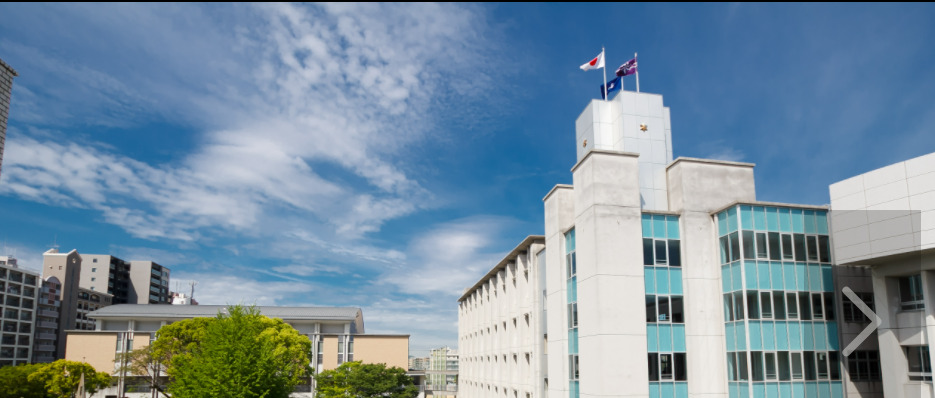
559 218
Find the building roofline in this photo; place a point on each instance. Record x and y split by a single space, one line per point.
709 161
9 68
522 247
168 311
556 188
604 152
776 204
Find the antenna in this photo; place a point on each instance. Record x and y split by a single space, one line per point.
54 244
192 284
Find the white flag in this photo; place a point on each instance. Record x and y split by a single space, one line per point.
596 63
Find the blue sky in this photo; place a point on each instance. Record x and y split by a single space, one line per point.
386 156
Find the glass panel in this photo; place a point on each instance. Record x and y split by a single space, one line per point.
725 249
675 255
787 247
783 357
765 305
809 359
834 367
678 314
817 308
738 305
805 312
728 308
753 311
651 309
792 306
797 366
770 360
734 246
799 247
822 365
749 248
661 252
775 252
829 306
731 366
761 248
812 248
779 305
681 373
665 367
756 363
742 365
663 309
648 252
653 367
824 251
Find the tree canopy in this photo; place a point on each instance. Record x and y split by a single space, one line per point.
237 354
360 380
61 378
16 384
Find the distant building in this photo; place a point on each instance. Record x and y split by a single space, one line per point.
337 335
442 372
418 363
47 317
88 301
149 283
130 282
7 73
19 291
66 269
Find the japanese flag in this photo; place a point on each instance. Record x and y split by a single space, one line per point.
596 63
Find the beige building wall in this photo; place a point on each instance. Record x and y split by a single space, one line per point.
99 349
67 268
391 350
330 352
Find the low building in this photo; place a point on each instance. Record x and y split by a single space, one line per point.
337 334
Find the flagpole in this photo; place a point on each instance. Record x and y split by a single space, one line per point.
637 73
604 68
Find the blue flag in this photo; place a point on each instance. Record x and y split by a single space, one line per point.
612 86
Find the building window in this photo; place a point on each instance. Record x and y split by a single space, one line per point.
667 367
864 366
573 367
910 293
665 309
852 313
920 365
572 315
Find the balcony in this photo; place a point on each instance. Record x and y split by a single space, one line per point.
45 347
51 303
50 314
48 325
45 336
43 359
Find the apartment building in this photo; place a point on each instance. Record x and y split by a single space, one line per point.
7 73
149 283
337 335
19 292
47 318
666 277
89 301
65 268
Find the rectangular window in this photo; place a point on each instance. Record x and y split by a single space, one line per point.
783 358
770 361
678 310
756 363
661 251
761 248
792 306
775 252
779 305
664 309
666 371
749 247
731 366
648 258
799 247
787 247
797 366
852 313
910 293
805 305
834 366
824 250
728 308
742 365
675 254
725 249
809 359
817 308
573 315
738 306
651 308
653 366
571 263
822 361
753 305
734 246
681 373
812 248
829 306
766 309
864 366
920 365
573 366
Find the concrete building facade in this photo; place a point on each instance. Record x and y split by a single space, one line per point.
7 73
107 274
149 283
47 318
884 220
19 293
665 277
66 269
501 327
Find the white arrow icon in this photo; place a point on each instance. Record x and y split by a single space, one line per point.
875 321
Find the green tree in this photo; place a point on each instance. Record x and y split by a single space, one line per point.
240 354
360 380
61 378
15 383
147 362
